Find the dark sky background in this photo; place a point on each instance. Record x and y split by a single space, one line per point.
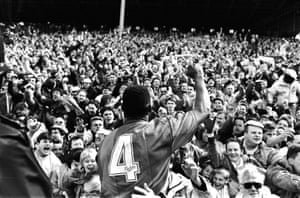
255 14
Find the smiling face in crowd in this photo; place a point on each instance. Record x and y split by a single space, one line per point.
253 135
234 151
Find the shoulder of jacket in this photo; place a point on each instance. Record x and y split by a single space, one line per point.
9 127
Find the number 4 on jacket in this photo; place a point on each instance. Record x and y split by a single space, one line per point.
122 159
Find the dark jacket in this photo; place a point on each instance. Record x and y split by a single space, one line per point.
20 173
282 180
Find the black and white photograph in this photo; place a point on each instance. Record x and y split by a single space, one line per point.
149 98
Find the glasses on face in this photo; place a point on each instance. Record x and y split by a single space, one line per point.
249 185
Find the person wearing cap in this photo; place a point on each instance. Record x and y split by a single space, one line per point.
254 148
237 153
285 88
252 180
283 177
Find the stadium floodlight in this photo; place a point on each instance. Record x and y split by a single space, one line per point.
137 27
211 30
174 29
155 28
122 17
231 31
193 29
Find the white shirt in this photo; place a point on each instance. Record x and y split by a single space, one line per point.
49 164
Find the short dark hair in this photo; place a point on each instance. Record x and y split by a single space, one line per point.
136 101
239 118
293 151
93 102
73 155
75 137
44 136
163 86
233 140
107 109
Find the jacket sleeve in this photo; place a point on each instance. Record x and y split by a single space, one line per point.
213 154
283 179
20 173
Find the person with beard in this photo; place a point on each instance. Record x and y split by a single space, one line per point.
47 159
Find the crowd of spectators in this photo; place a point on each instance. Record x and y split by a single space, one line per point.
64 87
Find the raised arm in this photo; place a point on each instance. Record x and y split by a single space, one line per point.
214 155
202 102
185 128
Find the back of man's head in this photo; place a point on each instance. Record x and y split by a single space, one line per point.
136 102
